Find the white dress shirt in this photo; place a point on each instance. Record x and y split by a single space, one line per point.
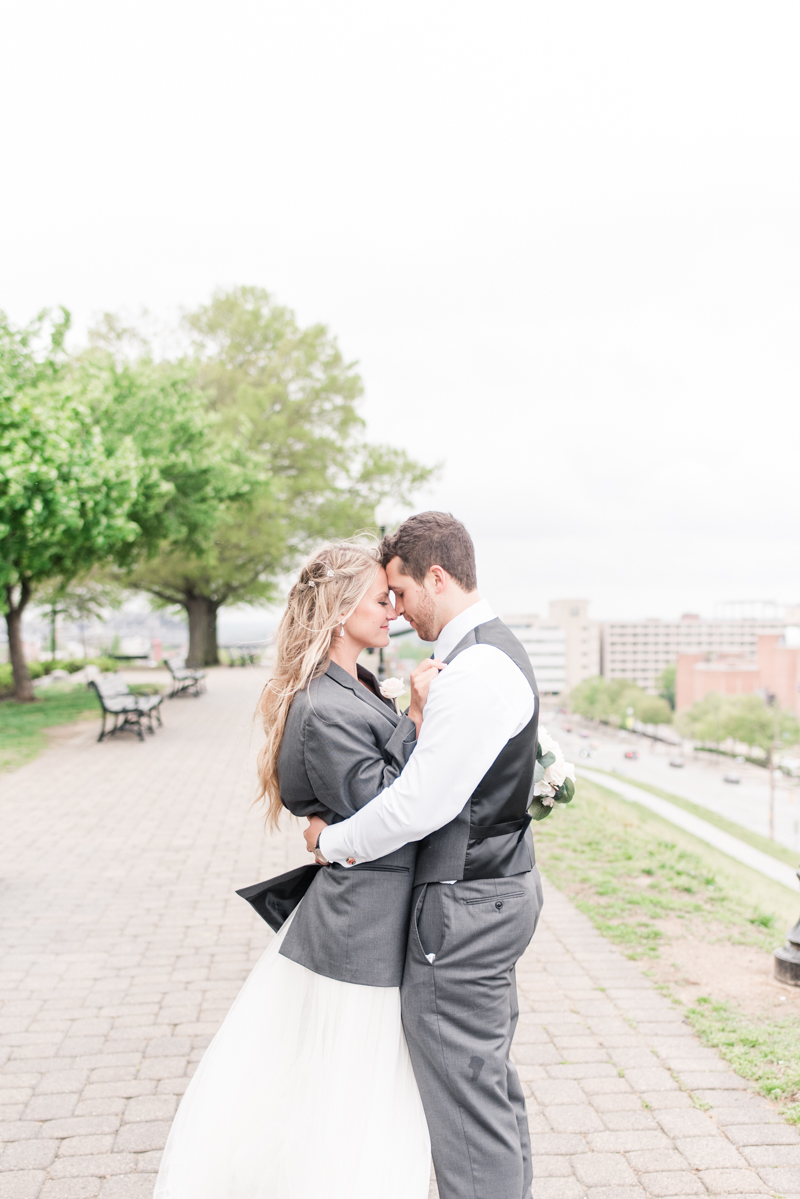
475 705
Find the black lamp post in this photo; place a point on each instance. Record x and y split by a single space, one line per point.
787 959
381 667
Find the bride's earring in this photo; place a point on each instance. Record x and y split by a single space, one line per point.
341 631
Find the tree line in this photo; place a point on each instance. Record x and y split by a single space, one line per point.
748 719
197 475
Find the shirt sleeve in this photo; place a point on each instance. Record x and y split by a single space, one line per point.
478 702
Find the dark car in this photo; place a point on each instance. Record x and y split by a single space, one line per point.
677 762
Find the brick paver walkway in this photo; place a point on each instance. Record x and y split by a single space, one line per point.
123 946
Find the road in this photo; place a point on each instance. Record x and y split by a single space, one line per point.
699 780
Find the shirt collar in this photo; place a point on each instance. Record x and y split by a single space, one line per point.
460 625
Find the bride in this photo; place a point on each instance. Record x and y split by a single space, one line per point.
312 1050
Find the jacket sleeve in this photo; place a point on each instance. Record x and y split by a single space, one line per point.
345 764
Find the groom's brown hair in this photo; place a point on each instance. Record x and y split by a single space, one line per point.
432 539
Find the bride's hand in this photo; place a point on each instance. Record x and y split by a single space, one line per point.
313 832
421 680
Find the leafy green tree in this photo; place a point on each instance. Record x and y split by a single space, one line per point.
667 685
590 699
745 718
651 709
79 600
194 472
707 720
187 472
286 397
64 497
608 700
757 723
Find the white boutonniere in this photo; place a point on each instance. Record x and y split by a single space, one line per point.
392 688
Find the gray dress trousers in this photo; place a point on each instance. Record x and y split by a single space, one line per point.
459 1014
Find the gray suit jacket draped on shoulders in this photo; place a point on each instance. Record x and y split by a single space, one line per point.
342 745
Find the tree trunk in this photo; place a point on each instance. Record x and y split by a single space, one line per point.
203 649
23 686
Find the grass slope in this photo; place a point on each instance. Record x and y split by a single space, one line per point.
767 1053
781 852
633 874
22 726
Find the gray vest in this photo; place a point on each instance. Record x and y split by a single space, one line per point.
489 838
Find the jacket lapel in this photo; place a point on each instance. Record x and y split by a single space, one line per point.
344 679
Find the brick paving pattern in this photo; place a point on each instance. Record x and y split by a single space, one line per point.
123 946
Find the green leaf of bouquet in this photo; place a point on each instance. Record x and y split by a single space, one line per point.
538 772
565 792
548 759
538 810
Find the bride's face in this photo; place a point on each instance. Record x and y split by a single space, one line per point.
368 626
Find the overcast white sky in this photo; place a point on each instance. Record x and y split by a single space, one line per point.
561 239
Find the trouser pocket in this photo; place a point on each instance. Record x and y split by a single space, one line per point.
429 919
497 900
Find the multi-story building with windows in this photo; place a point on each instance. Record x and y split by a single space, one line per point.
547 649
564 647
639 650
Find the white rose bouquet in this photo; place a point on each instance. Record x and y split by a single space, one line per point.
553 777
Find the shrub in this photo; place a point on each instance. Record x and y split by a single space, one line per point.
39 669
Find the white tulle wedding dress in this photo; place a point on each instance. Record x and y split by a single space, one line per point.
306 1090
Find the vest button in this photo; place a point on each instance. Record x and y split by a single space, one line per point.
499 904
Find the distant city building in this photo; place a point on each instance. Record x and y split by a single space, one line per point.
564 648
774 670
546 647
640 650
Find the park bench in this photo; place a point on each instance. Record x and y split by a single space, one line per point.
185 680
126 709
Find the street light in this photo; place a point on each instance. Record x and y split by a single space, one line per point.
787 959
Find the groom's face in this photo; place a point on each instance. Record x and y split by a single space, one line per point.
415 601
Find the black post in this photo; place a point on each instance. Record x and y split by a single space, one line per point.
381 667
787 959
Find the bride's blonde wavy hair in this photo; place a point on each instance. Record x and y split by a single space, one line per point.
331 585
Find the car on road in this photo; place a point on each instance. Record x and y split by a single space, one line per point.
730 777
676 762
587 753
632 754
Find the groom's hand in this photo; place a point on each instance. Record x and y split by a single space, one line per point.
312 833
421 680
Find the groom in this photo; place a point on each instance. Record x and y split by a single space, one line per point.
477 894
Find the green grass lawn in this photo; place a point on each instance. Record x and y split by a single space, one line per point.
634 875
790 856
766 1052
22 726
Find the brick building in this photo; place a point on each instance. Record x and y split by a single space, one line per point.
774 670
